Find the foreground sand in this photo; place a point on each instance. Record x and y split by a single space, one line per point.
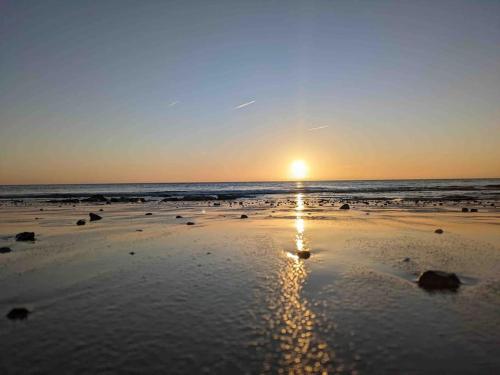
229 295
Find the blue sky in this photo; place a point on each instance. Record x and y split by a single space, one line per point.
100 91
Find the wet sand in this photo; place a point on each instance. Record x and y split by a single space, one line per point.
231 295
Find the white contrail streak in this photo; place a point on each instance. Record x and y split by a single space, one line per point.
244 104
318 128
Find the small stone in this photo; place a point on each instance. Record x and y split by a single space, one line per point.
465 209
438 280
345 206
18 313
243 217
131 253
80 222
138 230
473 210
189 223
5 250
406 260
148 214
100 209
178 217
439 231
304 254
94 217
25 236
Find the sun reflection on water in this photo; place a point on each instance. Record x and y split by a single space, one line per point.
293 324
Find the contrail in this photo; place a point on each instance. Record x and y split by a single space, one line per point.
244 104
317 128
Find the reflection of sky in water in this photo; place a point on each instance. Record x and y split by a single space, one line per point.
301 351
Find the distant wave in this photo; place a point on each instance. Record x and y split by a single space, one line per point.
449 189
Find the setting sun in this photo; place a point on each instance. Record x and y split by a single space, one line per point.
299 169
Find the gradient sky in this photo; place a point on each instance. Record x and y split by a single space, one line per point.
154 91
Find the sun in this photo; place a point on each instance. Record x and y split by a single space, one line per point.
298 169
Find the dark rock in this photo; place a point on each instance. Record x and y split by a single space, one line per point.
473 210
439 231
243 217
138 230
189 223
96 198
148 214
94 217
465 209
406 260
304 254
345 206
25 236
70 200
80 222
5 250
438 280
128 200
131 253
178 217
100 209
18 313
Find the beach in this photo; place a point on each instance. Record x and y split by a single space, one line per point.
299 286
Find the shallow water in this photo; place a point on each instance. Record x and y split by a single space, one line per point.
231 296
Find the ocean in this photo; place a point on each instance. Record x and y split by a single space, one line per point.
457 189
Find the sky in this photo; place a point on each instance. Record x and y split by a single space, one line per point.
179 91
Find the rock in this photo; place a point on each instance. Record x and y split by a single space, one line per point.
243 217
25 236
5 250
465 209
128 200
473 210
345 206
131 253
96 198
406 260
438 280
304 254
100 209
189 223
94 217
178 217
18 313
439 231
69 200
80 222
148 214
138 230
